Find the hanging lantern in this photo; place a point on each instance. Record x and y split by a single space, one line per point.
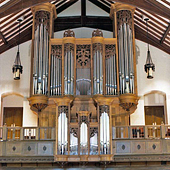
149 66
17 67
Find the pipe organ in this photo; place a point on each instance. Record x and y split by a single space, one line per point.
90 81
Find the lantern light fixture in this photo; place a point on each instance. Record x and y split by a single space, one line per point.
17 67
149 66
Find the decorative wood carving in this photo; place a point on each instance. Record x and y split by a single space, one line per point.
63 109
83 56
56 50
110 50
128 101
97 33
97 47
93 131
74 131
42 17
38 102
69 33
69 47
104 108
124 16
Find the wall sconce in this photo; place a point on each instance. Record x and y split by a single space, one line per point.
149 66
17 67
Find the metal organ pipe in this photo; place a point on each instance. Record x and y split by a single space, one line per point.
125 36
69 68
98 68
110 67
104 131
56 70
62 131
41 45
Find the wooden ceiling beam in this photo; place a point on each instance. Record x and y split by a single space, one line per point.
159 6
26 35
16 29
89 21
14 33
14 19
104 23
3 38
100 5
149 26
83 12
150 17
106 2
146 5
142 35
165 34
65 6
150 22
17 5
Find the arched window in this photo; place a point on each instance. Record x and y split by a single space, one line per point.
155 108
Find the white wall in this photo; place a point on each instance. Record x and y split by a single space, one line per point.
160 82
22 86
13 101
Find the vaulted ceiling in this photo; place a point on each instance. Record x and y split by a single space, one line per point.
158 11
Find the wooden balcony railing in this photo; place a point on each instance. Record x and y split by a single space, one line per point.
27 133
141 132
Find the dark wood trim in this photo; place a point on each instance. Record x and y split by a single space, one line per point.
149 26
3 38
83 12
65 6
166 2
142 35
106 2
100 5
15 19
104 23
165 34
19 5
150 17
150 22
159 6
147 6
26 35
15 29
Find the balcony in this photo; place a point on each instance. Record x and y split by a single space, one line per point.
129 144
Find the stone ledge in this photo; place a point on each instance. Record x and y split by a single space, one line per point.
10 159
138 158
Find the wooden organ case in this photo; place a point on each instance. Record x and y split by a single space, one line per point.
91 82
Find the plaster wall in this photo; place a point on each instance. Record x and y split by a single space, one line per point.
160 82
21 87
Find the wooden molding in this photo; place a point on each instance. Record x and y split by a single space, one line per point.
38 102
46 7
63 101
103 100
128 101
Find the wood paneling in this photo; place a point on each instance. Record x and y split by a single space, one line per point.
154 114
13 116
47 117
